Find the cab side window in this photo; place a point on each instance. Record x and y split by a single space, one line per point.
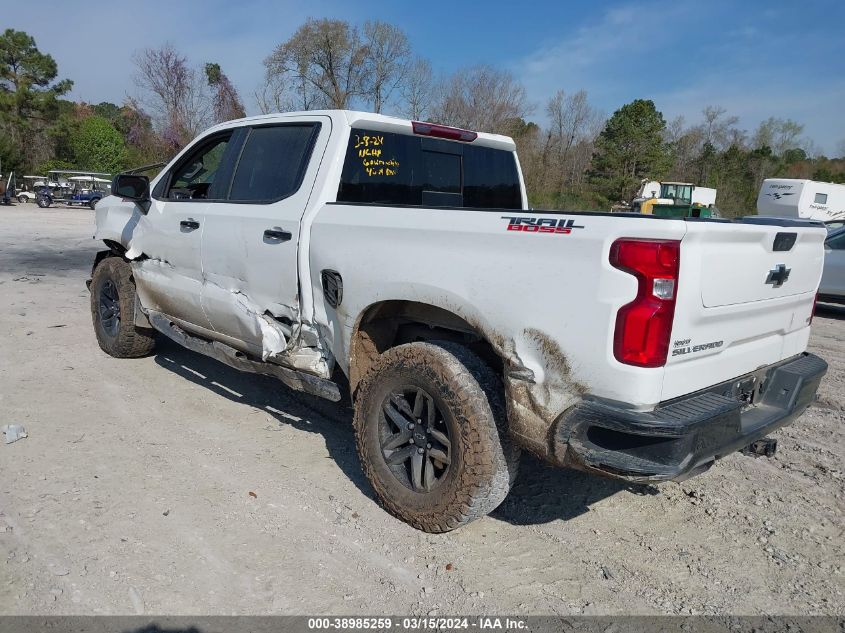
273 162
200 176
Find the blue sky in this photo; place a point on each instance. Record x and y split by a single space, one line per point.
756 59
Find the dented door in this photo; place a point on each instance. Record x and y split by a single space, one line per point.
250 241
169 275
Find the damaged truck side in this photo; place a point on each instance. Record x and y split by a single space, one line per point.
468 326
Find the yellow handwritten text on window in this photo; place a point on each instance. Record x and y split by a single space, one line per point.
371 152
366 140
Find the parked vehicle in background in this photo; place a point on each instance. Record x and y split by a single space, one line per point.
832 287
468 326
681 200
29 184
44 196
72 187
805 199
7 188
52 189
673 199
88 190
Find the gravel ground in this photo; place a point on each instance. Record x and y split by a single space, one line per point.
173 484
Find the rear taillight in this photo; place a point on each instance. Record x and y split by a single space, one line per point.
644 326
443 131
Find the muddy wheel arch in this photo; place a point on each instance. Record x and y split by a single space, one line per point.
533 406
386 324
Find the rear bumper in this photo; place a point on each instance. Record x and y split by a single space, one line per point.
682 437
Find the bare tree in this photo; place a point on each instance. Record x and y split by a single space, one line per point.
144 143
686 143
779 135
573 126
388 59
324 62
481 98
811 148
417 90
173 92
270 96
226 101
717 127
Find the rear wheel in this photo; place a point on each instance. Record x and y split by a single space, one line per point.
430 428
43 202
22 199
113 311
93 202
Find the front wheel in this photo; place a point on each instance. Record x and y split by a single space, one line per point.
113 311
93 203
22 199
43 202
431 433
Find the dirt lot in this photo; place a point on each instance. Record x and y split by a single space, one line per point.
131 493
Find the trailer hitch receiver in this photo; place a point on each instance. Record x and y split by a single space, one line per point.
765 448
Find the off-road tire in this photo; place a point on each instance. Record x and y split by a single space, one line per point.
126 340
470 397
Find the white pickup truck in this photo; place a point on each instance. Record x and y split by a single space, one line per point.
468 326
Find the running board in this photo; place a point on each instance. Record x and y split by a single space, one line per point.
235 358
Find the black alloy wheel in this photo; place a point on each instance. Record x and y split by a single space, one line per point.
109 308
415 439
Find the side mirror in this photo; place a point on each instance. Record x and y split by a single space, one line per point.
132 187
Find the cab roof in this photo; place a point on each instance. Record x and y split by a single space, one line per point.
369 120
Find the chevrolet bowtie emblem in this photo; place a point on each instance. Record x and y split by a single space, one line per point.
778 275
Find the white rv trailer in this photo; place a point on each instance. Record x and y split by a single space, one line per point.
806 199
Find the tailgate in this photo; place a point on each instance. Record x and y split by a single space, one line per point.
756 263
745 295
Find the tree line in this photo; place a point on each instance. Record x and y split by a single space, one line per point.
573 155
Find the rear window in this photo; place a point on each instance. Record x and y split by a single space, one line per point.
398 169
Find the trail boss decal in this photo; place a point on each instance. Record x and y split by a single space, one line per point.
684 347
560 226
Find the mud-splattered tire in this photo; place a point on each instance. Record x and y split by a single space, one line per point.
113 311
468 397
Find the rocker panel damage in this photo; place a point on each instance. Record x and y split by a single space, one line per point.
297 345
237 359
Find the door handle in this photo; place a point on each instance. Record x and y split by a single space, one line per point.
189 224
277 235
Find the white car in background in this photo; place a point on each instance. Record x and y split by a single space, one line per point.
832 287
